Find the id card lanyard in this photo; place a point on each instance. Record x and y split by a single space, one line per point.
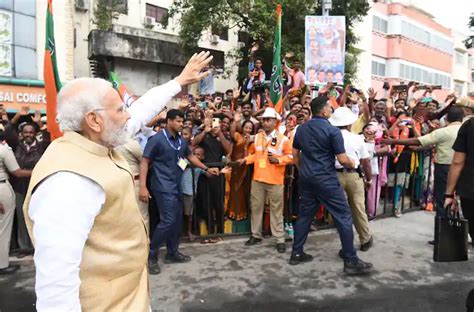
181 162
177 149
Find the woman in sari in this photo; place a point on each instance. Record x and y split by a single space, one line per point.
240 180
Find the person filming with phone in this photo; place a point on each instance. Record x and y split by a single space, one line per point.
216 146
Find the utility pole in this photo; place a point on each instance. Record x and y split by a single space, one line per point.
327 5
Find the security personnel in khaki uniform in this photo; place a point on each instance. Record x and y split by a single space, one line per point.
8 165
133 154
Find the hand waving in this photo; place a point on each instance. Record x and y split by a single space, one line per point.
192 72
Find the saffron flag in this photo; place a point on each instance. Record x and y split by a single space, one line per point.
127 97
276 86
52 83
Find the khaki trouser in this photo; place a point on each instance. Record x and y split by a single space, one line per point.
143 207
274 193
7 198
353 186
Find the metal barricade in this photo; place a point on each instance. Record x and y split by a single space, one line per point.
413 194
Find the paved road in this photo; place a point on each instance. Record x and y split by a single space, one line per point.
230 277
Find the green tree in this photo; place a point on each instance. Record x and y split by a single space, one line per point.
257 18
470 40
105 12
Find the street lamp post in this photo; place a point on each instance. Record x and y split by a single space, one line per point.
327 5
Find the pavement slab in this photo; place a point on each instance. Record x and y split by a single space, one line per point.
228 276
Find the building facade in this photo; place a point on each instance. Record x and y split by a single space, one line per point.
471 70
22 46
461 65
403 43
139 48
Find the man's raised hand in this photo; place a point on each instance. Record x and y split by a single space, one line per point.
192 72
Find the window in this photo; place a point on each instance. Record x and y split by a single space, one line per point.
378 69
121 6
459 58
458 88
420 35
417 74
379 24
158 13
222 32
243 36
18 40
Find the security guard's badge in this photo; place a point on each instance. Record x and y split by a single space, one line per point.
182 163
262 163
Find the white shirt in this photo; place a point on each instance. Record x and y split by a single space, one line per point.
374 160
271 136
355 148
63 209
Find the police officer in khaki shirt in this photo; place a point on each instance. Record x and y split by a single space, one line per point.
8 165
133 154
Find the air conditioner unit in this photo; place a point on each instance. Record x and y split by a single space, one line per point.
82 5
149 21
214 39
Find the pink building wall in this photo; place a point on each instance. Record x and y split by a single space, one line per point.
402 48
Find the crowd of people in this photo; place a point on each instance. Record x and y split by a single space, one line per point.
223 162
235 164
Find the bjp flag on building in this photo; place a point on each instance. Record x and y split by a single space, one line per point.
52 83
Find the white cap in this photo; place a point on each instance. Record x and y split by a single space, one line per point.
270 113
342 117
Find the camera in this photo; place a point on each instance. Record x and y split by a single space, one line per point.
258 87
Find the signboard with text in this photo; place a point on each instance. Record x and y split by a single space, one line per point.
14 97
325 45
5 43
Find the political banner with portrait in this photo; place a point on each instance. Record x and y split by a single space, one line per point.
325 47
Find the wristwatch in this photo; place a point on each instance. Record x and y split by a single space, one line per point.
206 168
448 195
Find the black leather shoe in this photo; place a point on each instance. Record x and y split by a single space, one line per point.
281 247
9 269
177 258
299 258
432 242
153 267
357 267
366 246
253 241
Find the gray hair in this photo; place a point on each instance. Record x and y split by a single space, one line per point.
77 98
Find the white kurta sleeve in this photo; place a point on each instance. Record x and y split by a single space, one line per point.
150 104
63 209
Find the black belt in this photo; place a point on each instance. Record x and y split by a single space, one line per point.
346 170
3 181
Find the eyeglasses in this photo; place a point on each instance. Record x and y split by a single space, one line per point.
121 109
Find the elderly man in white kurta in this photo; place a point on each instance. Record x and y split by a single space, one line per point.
81 212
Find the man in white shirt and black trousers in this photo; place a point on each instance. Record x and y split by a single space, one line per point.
354 180
91 245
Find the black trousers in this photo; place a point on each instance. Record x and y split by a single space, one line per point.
210 202
467 206
439 188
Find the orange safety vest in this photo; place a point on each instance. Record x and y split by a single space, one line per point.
280 147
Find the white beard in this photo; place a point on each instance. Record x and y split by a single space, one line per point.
114 136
